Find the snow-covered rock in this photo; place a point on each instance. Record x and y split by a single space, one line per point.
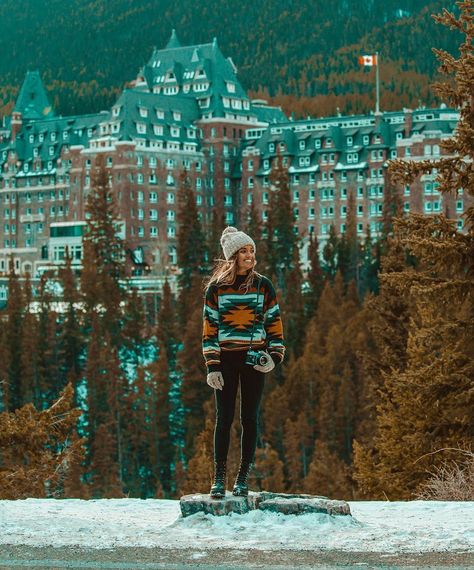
284 503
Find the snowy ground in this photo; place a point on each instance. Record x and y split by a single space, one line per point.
389 527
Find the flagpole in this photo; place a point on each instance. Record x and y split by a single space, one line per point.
377 84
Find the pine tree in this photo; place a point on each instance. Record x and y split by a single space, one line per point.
163 448
71 339
104 254
190 365
29 350
328 475
315 277
426 403
15 310
282 238
38 448
331 254
190 243
267 474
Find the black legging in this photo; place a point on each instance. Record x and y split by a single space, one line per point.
251 389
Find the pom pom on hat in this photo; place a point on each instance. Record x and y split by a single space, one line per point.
233 239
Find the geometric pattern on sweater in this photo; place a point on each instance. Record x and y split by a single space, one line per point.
228 316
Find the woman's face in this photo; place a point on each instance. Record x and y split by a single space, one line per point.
245 258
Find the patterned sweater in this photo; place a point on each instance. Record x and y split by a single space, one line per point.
228 317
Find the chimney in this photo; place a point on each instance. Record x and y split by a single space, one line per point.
16 124
408 116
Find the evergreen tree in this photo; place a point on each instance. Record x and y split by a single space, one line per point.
315 277
71 339
29 351
190 243
282 239
104 254
426 404
331 252
15 310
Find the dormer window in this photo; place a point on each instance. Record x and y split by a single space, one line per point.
177 115
41 137
230 86
200 73
175 131
160 114
317 143
53 136
349 141
115 111
158 130
329 142
141 128
302 145
143 112
32 138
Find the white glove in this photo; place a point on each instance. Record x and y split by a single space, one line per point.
270 365
215 380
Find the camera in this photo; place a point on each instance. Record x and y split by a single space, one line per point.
257 358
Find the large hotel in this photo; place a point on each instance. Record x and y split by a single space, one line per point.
186 110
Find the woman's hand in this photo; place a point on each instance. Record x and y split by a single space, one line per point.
215 380
270 365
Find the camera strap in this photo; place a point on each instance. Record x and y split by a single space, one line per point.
255 316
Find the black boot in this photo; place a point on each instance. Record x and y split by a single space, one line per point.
241 488
218 487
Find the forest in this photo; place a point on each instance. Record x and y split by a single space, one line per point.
373 401
304 58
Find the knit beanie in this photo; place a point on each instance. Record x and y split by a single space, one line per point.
233 239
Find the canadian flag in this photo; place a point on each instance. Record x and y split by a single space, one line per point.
368 60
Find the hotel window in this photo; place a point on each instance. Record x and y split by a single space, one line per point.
312 194
360 192
296 196
141 214
302 145
170 198
311 214
265 197
250 165
250 182
360 210
153 215
295 179
406 207
153 197
459 206
153 231
170 215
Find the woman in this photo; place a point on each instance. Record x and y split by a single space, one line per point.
242 341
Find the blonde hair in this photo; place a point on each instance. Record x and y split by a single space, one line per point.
225 272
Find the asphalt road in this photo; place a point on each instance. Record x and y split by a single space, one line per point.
133 558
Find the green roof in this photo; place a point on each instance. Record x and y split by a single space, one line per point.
150 116
32 101
200 72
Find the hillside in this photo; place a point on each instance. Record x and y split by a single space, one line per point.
304 56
